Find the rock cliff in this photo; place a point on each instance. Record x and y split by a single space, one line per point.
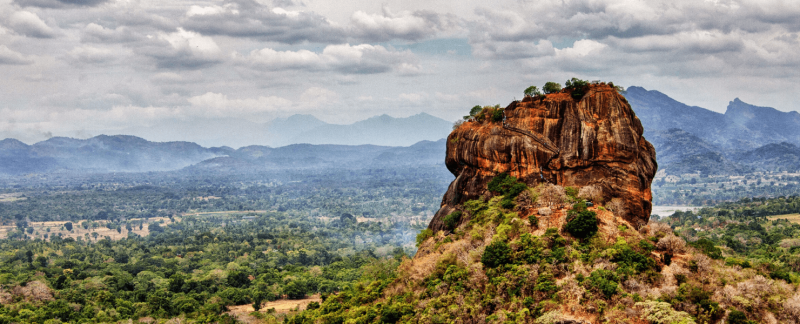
594 140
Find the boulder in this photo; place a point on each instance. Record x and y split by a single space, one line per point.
594 140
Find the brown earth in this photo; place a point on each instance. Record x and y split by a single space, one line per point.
596 140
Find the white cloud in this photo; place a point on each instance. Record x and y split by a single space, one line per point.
213 104
345 58
91 55
182 50
10 57
29 24
582 47
387 26
95 33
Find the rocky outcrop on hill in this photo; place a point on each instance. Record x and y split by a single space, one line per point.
595 140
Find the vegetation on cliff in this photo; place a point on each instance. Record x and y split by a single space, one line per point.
498 267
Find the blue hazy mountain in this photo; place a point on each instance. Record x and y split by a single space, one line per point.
692 139
381 130
742 127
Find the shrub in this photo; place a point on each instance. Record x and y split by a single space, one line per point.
457 124
662 313
671 244
532 91
496 254
497 115
738 317
452 219
551 87
507 186
551 194
616 205
583 224
424 235
577 86
473 112
591 193
604 281
707 246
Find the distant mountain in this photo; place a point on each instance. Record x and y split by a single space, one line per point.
308 156
380 130
123 153
741 127
120 153
282 131
772 157
690 139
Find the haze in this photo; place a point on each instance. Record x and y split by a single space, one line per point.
81 68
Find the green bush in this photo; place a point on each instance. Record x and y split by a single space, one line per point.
497 115
604 281
551 87
707 246
452 219
577 87
532 91
424 235
507 186
473 112
739 317
583 224
496 254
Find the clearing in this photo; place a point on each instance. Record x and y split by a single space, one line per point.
794 218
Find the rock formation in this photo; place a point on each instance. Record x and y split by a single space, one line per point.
594 140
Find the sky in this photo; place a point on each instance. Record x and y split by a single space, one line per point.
81 68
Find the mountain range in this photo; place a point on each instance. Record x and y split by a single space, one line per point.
381 130
688 139
123 153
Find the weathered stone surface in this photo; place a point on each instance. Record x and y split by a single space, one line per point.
598 139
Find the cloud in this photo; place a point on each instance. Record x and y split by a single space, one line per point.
28 24
355 59
182 50
250 19
87 55
212 105
59 3
405 25
253 20
94 33
10 57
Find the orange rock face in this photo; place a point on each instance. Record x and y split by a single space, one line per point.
596 140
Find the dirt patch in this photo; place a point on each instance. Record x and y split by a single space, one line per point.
281 307
794 218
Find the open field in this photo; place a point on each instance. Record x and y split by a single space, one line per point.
665 211
11 197
57 227
280 307
794 218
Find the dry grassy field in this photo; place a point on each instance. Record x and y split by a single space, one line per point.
281 307
57 227
794 218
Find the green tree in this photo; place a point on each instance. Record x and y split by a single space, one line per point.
551 87
532 91
583 223
496 254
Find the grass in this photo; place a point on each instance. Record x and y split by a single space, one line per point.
794 218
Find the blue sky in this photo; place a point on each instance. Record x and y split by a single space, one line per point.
80 68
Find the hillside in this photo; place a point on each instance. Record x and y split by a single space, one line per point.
690 139
509 247
120 153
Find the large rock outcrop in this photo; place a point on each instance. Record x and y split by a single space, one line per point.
596 140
